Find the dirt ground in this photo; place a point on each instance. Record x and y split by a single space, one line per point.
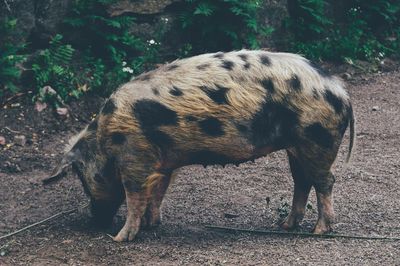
253 195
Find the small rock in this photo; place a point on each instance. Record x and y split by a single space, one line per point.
346 76
375 108
20 140
62 111
47 90
2 141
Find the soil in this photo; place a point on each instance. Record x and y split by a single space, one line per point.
252 196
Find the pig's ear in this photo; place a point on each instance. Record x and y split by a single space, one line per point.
61 170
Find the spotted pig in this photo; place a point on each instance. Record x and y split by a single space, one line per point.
216 108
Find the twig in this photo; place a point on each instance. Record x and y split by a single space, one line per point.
17 95
12 131
302 234
7 5
7 244
43 221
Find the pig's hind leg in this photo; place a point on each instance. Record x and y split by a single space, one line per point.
302 188
311 166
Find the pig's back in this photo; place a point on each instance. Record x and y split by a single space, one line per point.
227 103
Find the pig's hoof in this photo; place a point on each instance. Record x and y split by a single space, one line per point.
322 228
289 224
286 226
126 235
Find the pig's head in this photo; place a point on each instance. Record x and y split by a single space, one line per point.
97 173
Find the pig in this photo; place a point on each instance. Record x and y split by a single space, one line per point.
217 108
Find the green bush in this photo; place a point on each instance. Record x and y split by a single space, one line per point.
9 57
94 51
108 44
221 25
366 29
52 67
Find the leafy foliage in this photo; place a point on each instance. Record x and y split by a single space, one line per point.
362 32
221 25
108 43
52 67
96 52
9 57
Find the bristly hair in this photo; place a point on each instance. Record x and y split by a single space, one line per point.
74 139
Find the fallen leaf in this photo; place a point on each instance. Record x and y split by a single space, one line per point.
40 106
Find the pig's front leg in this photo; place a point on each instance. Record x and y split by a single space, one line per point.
157 187
136 202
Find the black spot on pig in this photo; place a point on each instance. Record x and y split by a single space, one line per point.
217 95
274 125
316 94
159 138
151 115
118 138
219 55
203 66
228 65
320 135
268 85
155 91
191 118
244 57
264 59
175 91
334 101
242 128
295 83
212 127
109 107
171 67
